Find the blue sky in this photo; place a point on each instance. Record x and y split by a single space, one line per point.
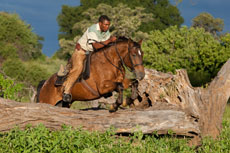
42 14
217 8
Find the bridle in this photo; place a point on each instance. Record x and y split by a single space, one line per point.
133 65
122 60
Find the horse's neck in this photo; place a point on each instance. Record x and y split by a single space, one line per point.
120 49
111 53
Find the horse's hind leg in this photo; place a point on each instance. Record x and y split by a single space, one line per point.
119 101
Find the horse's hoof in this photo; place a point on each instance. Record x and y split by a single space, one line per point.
112 109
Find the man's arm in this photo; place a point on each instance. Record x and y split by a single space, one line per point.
97 45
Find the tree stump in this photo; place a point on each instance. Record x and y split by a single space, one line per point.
165 102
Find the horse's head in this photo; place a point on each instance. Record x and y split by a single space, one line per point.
134 59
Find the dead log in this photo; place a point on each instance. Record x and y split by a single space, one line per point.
124 121
165 102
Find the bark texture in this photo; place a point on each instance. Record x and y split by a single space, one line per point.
165 102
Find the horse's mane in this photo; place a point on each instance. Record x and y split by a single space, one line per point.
119 39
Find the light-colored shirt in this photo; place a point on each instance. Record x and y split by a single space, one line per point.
93 33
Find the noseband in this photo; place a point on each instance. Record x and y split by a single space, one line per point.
133 65
123 63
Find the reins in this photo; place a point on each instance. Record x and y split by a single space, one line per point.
122 61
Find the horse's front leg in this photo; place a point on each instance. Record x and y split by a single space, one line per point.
133 83
119 101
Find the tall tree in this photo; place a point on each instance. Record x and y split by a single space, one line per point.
163 12
208 22
125 21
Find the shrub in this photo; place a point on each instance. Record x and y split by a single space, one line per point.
8 89
193 49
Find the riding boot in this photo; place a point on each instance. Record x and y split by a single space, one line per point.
67 97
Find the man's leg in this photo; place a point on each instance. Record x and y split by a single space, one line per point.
77 62
61 74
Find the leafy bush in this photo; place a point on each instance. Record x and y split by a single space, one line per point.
17 38
193 49
29 74
8 89
7 50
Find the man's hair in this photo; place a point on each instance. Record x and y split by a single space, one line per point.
103 18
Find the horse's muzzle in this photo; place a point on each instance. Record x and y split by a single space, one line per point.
140 75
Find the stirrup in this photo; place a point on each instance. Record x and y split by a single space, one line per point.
67 97
60 80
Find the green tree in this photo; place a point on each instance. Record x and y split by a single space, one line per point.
125 22
163 13
208 22
67 18
17 39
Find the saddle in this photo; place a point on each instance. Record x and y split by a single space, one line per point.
83 76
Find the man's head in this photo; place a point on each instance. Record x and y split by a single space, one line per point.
104 23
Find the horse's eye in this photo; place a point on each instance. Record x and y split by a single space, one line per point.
134 55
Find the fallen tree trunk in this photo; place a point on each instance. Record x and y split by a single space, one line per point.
165 102
125 121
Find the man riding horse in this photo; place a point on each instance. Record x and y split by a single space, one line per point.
95 37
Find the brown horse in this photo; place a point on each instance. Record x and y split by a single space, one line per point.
107 73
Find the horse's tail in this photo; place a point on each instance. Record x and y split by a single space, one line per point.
39 89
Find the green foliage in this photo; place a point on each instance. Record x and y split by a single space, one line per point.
8 89
124 23
29 74
208 22
41 139
193 49
8 50
17 38
66 49
164 15
67 18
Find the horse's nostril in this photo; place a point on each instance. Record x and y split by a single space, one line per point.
140 75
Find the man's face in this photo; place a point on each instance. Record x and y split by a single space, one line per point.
104 26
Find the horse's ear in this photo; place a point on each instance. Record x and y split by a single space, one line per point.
140 42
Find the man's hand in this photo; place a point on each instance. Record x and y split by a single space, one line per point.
102 44
78 46
113 39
